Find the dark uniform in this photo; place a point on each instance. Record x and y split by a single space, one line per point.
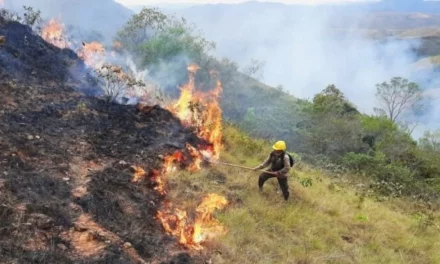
279 164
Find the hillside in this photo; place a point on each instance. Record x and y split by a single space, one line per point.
67 193
331 221
85 180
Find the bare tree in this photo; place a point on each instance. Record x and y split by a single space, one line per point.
396 97
32 18
115 82
255 69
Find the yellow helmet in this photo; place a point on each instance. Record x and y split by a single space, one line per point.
280 145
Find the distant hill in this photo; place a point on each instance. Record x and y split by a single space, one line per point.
103 16
407 6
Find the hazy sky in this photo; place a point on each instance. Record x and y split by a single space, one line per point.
150 2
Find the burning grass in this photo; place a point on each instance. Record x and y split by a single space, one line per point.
325 223
201 111
193 229
93 54
54 33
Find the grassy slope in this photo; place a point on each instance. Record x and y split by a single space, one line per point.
321 224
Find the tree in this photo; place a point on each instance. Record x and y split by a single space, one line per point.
431 141
153 36
115 82
396 97
331 99
141 27
32 18
331 126
175 39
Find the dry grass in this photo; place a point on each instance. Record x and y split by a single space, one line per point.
323 223
427 63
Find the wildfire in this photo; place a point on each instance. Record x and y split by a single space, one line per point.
92 54
53 33
204 226
201 110
168 166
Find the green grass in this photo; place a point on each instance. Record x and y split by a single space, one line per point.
324 223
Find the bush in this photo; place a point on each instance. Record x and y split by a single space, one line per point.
358 162
390 178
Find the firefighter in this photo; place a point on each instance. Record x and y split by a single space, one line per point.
280 163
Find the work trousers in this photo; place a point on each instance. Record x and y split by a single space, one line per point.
282 181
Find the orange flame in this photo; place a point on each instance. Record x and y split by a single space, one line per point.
190 232
92 53
53 33
201 110
168 166
204 226
139 173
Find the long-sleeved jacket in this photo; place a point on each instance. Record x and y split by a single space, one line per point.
272 160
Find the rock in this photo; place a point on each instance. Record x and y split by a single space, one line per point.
37 137
42 221
62 247
66 179
127 245
30 137
2 40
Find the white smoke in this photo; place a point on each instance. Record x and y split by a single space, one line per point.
308 48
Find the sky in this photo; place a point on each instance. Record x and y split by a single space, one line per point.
152 2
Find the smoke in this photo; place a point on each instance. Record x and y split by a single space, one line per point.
93 20
308 48
304 48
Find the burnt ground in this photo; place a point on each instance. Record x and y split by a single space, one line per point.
66 189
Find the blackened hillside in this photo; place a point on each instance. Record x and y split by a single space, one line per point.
66 189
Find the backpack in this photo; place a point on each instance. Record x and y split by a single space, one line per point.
292 160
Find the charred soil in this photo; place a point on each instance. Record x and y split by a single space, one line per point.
67 193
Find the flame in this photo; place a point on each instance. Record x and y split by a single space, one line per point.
169 163
92 53
197 158
169 166
53 32
139 173
201 110
192 233
205 226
